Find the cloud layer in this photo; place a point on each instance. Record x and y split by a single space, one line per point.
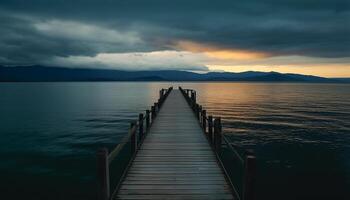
56 32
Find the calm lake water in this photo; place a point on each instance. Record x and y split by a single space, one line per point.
49 133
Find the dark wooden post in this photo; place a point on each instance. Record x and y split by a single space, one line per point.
147 120
200 114
192 98
204 120
103 174
153 112
210 129
195 96
133 138
141 133
197 111
156 108
161 93
249 177
217 135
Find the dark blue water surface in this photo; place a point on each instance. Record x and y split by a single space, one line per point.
50 132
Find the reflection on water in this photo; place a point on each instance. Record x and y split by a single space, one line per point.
50 131
301 134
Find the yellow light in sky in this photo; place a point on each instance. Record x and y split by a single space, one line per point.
219 53
236 55
328 70
237 60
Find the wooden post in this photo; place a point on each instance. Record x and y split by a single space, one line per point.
197 110
249 177
147 120
161 93
133 138
156 108
141 133
200 114
153 112
204 120
217 135
195 96
192 98
103 174
210 129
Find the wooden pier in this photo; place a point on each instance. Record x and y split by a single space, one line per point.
174 151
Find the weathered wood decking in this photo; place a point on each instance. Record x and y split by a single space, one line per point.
175 160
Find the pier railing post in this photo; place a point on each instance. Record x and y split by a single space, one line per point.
193 97
103 174
204 120
217 135
210 129
249 177
153 113
197 110
133 138
156 108
200 114
147 120
141 132
161 93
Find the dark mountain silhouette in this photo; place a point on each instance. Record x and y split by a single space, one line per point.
344 80
42 73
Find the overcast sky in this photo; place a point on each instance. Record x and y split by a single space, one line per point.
298 36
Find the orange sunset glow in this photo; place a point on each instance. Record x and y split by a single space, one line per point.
235 60
219 53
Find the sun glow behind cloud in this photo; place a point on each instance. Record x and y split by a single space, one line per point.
219 52
234 60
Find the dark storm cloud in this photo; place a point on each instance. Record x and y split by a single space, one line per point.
318 28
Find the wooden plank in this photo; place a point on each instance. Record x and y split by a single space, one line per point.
199 161
175 165
172 159
186 182
175 191
194 175
142 178
172 187
174 197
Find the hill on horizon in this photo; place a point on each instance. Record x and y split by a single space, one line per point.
46 74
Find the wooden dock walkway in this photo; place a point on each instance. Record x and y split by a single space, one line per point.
175 160
175 151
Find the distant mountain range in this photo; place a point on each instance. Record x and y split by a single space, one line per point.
45 74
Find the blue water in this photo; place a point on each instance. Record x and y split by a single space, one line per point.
50 131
